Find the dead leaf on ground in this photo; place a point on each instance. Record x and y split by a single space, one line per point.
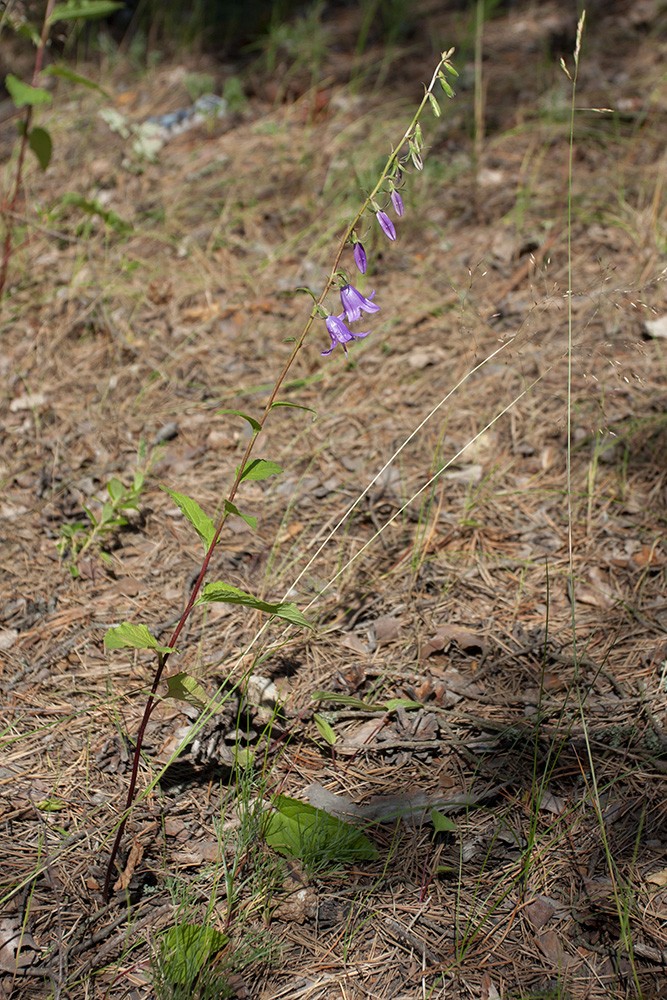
552 948
488 990
134 858
18 949
658 878
539 911
386 627
469 642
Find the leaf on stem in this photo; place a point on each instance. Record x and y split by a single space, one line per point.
129 636
224 593
255 424
295 406
325 729
40 143
231 508
68 74
193 513
260 468
22 94
183 687
83 10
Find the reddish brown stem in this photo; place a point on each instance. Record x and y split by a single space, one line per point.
9 206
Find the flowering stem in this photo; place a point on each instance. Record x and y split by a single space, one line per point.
315 312
8 209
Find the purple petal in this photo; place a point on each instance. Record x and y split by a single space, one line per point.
397 202
386 224
360 257
340 334
354 303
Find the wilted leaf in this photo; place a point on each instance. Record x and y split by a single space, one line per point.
224 593
301 831
17 946
191 510
466 640
129 636
658 878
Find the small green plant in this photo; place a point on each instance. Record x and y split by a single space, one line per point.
94 533
323 843
184 963
198 84
26 97
295 48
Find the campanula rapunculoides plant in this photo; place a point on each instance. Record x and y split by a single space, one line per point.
128 635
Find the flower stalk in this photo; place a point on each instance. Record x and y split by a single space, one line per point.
354 303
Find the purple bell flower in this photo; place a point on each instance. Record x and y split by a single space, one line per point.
386 224
397 202
354 303
360 257
340 333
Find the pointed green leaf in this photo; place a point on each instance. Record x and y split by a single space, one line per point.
83 9
294 406
23 94
185 950
115 488
129 636
442 824
395 703
325 730
321 841
255 424
51 805
347 699
185 688
66 73
40 143
248 518
224 593
260 468
191 510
